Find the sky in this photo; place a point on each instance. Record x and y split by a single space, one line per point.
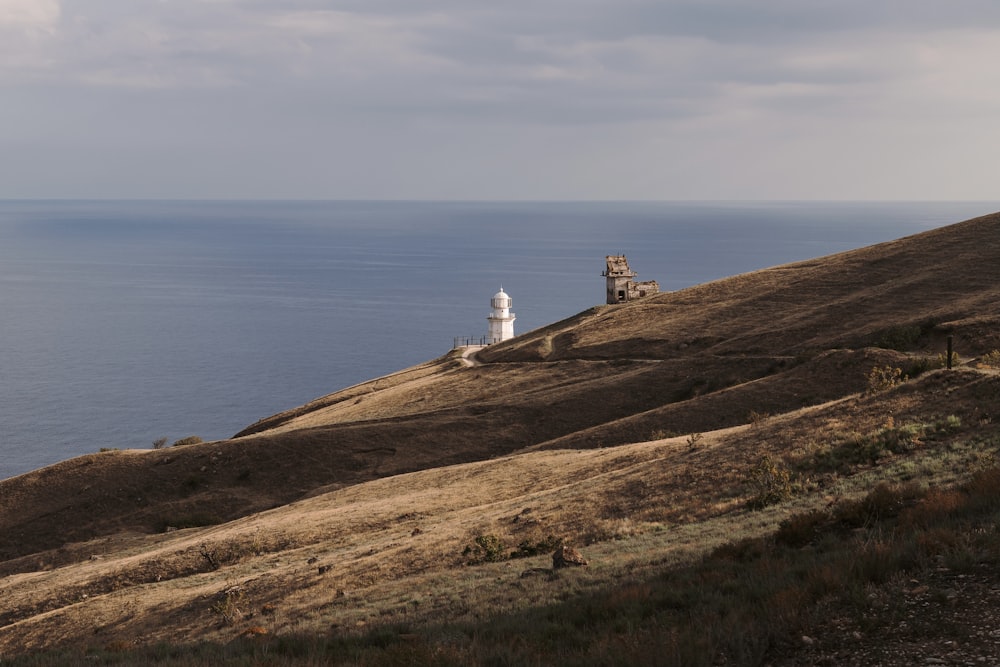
512 100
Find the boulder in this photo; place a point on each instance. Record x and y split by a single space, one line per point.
567 557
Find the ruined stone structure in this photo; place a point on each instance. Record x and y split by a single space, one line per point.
501 319
621 286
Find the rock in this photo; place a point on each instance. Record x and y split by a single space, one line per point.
567 557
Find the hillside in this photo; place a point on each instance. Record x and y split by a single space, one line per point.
630 430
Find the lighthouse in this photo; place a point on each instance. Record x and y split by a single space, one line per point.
501 319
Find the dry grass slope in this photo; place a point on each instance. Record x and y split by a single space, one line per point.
642 433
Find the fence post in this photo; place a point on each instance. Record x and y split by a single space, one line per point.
949 352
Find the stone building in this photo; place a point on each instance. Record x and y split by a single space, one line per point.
621 286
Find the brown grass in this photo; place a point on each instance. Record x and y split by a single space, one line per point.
354 510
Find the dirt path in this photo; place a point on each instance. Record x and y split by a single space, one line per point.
469 355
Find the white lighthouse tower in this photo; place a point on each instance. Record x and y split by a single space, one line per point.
501 319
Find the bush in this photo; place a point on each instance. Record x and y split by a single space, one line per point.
906 337
900 338
935 507
769 484
924 364
485 549
190 440
885 501
757 418
693 440
801 529
527 548
920 366
231 604
740 551
949 424
853 449
492 549
942 360
984 488
885 377
900 439
991 359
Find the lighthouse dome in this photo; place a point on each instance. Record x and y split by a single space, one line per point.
501 299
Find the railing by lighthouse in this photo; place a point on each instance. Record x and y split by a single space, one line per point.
466 341
478 341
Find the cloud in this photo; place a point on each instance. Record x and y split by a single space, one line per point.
29 14
607 92
570 59
28 30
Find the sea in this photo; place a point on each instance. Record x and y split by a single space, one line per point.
123 322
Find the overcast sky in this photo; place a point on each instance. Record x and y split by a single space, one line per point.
505 99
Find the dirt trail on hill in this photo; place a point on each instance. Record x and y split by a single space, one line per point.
620 421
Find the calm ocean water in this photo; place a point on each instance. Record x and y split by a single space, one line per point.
123 322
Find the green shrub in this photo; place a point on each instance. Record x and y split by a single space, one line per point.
991 359
492 549
190 440
769 484
941 361
924 364
853 449
900 439
949 424
527 548
885 377
920 366
485 549
905 337
901 338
